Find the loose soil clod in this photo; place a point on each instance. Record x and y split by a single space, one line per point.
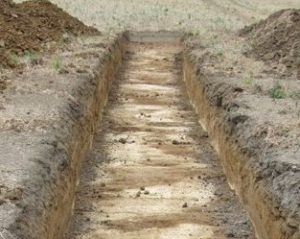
32 27
276 40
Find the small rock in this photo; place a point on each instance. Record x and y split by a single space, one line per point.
185 205
146 192
230 234
122 141
175 142
63 71
138 194
238 89
72 65
81 71
142 188
218 193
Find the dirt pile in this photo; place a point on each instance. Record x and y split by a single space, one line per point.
276 40
33 26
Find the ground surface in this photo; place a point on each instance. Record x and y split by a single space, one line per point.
35 114
213 26
268 100
200 16
152 172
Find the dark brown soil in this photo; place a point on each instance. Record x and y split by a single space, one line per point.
34 26
276 40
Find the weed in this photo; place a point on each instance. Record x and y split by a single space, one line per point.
15 59
32 58
248 81
284 132
277 92
56 64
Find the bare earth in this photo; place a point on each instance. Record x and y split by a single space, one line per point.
152 172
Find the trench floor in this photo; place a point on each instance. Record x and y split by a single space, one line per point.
152 173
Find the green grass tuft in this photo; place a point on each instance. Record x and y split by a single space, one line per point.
277 92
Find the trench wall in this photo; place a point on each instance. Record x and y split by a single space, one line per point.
246 171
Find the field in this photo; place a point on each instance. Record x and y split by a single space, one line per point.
212 24
161 119
198 16
211 21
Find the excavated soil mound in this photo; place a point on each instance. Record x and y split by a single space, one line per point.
33 26
276 40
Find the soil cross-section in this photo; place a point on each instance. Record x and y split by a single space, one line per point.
152 172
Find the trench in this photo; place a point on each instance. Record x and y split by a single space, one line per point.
152 172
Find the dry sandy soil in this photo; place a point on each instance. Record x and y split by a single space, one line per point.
152 172
212 24
265 101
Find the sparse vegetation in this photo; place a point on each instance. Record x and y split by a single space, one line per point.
277 92
149 105
15 59
56 63
32 58
249 79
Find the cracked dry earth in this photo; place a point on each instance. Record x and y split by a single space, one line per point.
152 172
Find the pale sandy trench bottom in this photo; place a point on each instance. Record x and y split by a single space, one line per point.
152 173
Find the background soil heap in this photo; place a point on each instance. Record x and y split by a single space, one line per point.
32 26
276 40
